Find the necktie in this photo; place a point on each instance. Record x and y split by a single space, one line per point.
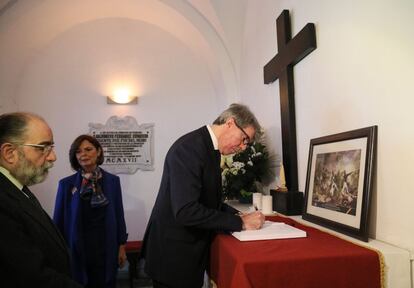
219 193
32 198
47 222
218 155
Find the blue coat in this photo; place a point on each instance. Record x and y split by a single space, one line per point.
67 217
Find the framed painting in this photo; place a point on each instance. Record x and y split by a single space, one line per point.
339 181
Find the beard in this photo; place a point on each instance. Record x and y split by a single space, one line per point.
28 174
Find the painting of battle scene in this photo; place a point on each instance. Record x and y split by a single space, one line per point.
336 181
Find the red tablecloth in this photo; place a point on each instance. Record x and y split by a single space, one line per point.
319 260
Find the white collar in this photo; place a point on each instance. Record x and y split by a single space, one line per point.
213 137
16 182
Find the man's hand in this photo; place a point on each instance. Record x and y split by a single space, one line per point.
252 221
121 256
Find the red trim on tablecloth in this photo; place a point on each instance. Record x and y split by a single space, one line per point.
319 260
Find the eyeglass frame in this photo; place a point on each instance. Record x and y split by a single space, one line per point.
44 148
245 134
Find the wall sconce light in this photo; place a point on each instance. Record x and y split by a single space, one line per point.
122 97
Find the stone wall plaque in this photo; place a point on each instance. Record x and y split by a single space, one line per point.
127 146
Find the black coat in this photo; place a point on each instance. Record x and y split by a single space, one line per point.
187 211
32 251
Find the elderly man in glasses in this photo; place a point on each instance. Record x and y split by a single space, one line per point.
188 210
32 251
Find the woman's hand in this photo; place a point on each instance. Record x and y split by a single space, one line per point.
121 256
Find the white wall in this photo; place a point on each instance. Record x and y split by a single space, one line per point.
60 60
358 76
79 63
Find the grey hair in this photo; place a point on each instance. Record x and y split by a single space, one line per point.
13 126
243 117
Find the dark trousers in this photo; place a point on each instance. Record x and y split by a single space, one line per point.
157 284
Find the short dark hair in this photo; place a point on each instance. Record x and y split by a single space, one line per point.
13 126
242 115
75 146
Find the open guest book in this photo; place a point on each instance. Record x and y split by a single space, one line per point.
270 230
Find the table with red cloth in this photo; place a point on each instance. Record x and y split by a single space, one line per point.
319 260
133 249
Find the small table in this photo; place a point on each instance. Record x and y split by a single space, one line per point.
133 249
319 260
397 260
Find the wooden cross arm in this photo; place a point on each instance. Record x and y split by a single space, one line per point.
295 50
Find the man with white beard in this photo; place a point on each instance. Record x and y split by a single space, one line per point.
33 253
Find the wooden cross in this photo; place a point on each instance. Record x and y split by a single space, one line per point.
291 51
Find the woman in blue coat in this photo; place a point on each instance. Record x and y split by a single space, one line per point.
90 215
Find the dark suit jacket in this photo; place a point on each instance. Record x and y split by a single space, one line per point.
32 251
187 211
68 218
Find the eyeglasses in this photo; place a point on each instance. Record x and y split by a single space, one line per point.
44 148
246 139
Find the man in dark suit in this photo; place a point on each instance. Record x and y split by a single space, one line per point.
32 251
188 209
